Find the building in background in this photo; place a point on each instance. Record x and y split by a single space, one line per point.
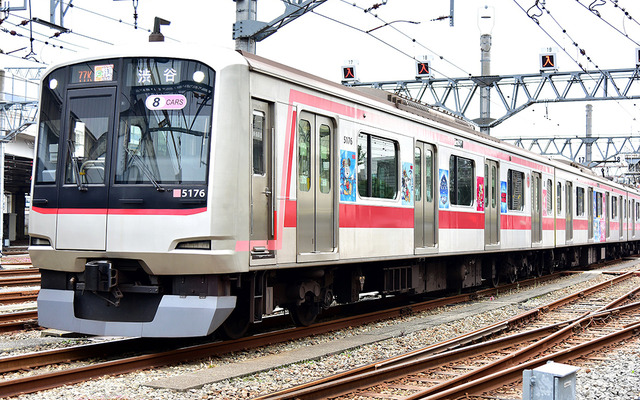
18 106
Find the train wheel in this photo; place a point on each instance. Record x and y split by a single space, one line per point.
237 324
493 272
304 314
511 274
495 280
538 266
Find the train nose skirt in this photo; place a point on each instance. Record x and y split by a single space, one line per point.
176 316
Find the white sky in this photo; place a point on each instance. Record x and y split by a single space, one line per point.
320 46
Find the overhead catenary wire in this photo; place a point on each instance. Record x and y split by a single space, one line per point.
535 18
597 14
118 20
627 14
21 26
413 40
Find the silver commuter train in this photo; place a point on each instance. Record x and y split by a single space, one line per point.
178 192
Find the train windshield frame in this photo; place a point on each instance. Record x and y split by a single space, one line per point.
160 127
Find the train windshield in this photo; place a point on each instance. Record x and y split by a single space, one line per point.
164 125
144 120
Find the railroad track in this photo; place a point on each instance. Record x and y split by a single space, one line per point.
17 321
20 281
50 380
7 298
463 366
18 271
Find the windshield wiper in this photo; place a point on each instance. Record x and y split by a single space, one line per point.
145 170
76 171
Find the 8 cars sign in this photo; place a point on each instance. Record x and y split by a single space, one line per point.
166 102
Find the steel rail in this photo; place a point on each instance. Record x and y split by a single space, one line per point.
16 326
19 271
389 369
11 322
520 357
18 297
56 356
514 373
18 316
21 281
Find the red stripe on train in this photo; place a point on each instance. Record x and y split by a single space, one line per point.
353 216
117 211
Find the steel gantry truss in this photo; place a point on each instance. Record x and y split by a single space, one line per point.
606 151
18 112
515 92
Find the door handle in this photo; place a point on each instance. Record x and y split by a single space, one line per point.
267 192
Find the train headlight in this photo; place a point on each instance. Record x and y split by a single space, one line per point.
53 83
198 76
195 245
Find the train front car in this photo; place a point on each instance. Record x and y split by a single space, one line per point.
127 234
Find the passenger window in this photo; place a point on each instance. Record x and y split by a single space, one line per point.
559 198
377 167
494 178
417 174
549 197
428 175
304 158
258 142
599 205
363 165
515 190
580 201
325 159
461 174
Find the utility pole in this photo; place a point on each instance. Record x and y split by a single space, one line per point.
62 10
485 24
247 30
246 13
588 143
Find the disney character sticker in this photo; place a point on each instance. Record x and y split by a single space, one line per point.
443 179
503 197
347 176
480 185
407 184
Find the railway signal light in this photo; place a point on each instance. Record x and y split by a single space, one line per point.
349 74
548 62
423 69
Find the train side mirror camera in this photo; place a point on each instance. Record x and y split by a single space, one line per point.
135 136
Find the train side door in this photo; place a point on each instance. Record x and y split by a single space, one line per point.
621 217
315 194
491 204
607 214
262 228
536 207
569 213
590 214
87 132
425 221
